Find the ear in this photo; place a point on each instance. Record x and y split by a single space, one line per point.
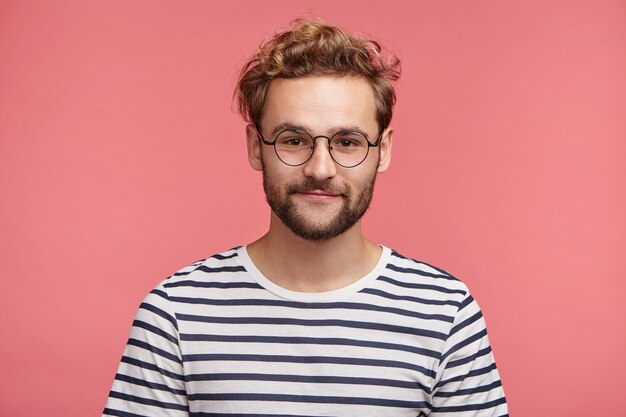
385 150
254 148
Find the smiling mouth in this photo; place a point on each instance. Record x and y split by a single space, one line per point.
317 190
318 194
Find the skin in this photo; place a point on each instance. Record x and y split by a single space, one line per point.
320 103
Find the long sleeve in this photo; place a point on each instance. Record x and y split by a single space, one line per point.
468 383
149 381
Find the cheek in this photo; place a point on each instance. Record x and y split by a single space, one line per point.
363 174
275 179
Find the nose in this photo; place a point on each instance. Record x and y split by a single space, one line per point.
321 165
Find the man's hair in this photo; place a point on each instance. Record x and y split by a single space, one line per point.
313 47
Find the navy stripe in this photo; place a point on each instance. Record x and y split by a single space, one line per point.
470 407
212 270
417 286
307 359
147 401
466 322
203 414
189 268
118 413
151 367
467 301
153 349
160 293
308 379
397 255
309 341
470 374
409 298
312 306
317 323
419 272
159 312
468 359
469 391
155 330
308 399
464 343
221 257
221 285
152 385
183 273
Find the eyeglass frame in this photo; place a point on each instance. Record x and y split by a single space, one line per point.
369 145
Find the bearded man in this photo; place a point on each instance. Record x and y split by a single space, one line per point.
311 319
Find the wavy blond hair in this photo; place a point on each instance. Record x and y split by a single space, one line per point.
315 47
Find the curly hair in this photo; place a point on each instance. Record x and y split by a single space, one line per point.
315 47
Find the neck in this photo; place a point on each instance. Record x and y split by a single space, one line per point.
313 266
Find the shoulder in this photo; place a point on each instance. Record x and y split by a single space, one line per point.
408 270
223 262
435 286
206 277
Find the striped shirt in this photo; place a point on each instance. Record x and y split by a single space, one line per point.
219 339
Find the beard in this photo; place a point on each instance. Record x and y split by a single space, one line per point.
353 207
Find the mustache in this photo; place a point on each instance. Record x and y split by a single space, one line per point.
310 185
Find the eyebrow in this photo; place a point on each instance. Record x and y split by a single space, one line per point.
287 125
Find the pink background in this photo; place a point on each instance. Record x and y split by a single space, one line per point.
121 161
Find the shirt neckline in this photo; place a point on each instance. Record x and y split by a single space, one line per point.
340 293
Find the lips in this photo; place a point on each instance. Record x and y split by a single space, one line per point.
319 189
320 193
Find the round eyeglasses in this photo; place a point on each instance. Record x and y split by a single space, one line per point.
294 147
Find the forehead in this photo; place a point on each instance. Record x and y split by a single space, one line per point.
321 103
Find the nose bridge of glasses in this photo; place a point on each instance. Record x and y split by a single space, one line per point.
315 140
325 152
320 163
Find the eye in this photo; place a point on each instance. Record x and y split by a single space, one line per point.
346 143
348 140
293 139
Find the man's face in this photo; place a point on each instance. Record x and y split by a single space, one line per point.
319 200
